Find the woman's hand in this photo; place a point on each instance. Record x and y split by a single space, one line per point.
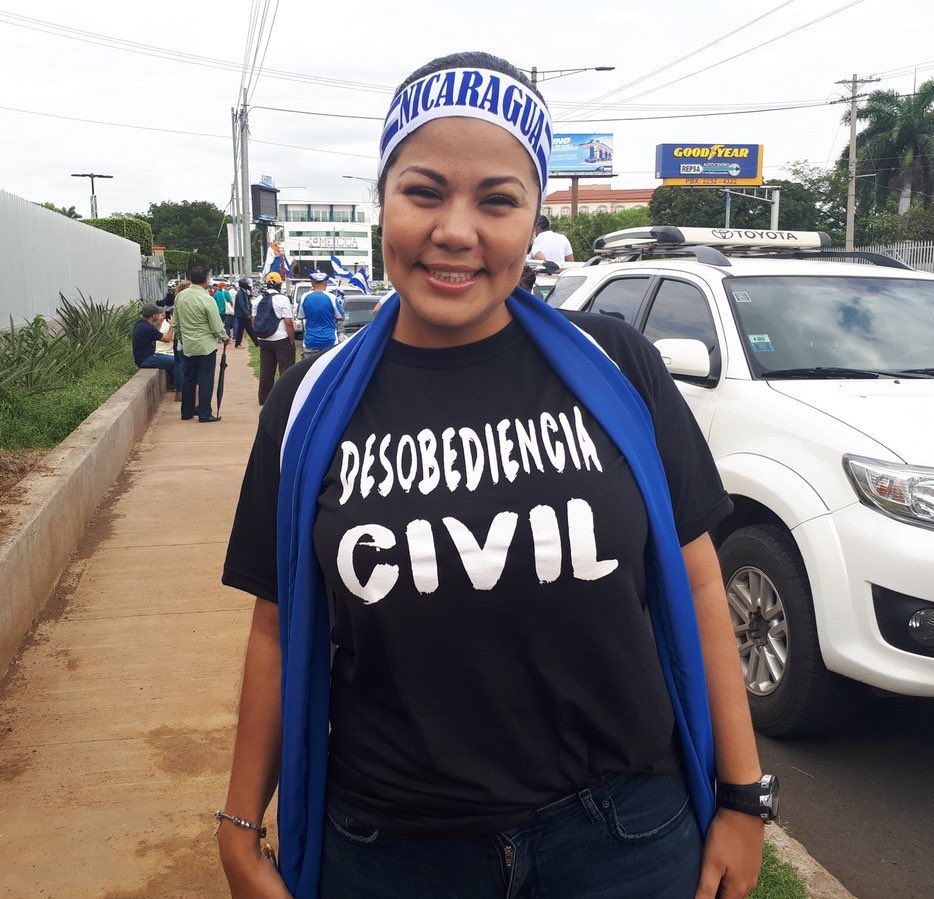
250 875
732 856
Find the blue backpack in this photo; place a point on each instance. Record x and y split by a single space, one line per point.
265 322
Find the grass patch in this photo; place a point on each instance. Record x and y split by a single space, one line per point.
778 879
41 420
254 357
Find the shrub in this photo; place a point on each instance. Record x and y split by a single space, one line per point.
134 229
51 379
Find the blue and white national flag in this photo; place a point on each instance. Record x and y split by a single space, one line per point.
339 269
360 280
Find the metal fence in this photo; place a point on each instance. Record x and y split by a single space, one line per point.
43 253
918 254
152 281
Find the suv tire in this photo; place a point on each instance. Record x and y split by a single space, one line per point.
790 691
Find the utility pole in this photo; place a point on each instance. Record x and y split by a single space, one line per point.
245 212
235 210
92 176
855 83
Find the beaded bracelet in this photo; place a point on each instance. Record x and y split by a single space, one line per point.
240 822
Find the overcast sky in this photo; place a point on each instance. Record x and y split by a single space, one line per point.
378 44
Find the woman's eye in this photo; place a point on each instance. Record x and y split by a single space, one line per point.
425 193
501 200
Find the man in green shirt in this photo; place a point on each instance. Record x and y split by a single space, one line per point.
198 326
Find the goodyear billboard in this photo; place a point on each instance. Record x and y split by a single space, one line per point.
709 165
586 155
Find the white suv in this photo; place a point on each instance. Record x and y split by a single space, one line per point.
813 382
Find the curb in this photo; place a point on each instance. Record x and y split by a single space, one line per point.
817 880
59 500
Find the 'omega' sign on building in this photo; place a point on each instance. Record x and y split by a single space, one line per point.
709 165
332 243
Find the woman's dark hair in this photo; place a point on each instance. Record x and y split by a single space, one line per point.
470 59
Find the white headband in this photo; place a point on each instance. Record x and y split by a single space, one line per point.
476 94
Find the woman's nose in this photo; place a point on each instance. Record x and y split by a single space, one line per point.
455 228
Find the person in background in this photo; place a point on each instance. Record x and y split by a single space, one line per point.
322 312
278 348
527 279
550 245
199 328
243 313
224 306
168 347
147 333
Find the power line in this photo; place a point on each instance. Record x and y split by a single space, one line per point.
329 115
262 60
702 115
140 49
736 55
617 90
268 143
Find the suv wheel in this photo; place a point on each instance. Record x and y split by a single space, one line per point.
790 691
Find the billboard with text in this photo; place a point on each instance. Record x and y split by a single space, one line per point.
709 165
585 155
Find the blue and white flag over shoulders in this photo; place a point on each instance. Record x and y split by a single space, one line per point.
322 408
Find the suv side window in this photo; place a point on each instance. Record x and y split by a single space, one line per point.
621 298
681 310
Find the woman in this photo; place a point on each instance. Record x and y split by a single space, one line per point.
474 520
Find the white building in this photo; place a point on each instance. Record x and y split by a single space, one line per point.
315 229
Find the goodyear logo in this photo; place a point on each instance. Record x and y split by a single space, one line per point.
713 151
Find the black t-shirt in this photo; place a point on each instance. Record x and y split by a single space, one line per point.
482 540
145 336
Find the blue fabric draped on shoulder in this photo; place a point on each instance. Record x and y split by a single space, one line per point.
318 421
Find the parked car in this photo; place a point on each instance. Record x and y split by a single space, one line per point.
813 381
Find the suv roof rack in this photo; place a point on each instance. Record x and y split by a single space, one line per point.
831 254
709 245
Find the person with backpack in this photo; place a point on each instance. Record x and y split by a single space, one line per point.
243 311
275 333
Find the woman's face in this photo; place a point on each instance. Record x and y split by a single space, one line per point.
460 202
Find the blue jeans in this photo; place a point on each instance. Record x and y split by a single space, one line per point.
167 363
199 372
631 836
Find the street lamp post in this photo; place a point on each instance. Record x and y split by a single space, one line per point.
537 76
92 176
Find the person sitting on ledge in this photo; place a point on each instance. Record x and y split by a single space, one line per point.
145 334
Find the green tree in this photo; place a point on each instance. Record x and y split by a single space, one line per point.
378 273
895 151
127 226
191 226
69 212
586 227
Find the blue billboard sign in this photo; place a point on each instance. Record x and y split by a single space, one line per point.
709 165
585 155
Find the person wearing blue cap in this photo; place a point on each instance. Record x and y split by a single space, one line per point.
321 312
491 653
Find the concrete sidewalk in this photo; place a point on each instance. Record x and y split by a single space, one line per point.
117 720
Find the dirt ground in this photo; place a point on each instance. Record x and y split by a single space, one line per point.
118 715
14 466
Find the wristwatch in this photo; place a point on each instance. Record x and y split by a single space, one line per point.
759 798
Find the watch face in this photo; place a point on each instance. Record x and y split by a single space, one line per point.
770 796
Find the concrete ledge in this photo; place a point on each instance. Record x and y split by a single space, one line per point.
55 503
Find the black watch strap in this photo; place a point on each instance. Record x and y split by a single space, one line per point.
759 798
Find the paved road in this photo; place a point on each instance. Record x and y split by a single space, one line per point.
861 802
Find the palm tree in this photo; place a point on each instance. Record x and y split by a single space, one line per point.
895 151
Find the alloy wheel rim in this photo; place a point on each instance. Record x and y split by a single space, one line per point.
760 628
